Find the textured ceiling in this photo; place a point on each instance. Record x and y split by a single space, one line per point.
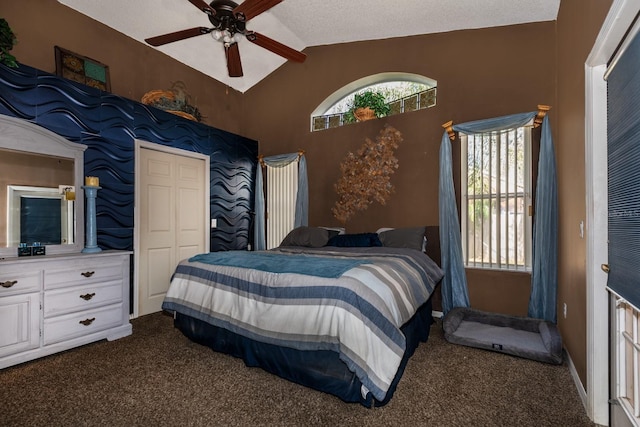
303 23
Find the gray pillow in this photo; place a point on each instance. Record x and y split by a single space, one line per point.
409 237
311 237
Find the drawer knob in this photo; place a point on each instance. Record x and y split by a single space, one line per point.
88 273
87 297
87 322
8 283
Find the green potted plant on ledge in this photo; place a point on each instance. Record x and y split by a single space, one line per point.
7 41
367 105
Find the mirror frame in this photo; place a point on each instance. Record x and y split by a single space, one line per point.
21 135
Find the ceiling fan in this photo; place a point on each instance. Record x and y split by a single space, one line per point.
229 25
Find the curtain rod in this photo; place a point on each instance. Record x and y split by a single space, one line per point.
537 121
263 164
542 111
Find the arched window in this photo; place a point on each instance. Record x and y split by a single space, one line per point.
403 92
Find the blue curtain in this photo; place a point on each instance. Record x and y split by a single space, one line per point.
302 196
544 278
544 283
454 283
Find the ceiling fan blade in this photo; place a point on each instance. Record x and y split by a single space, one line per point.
200 4
275 47
178 35
234 65
252 8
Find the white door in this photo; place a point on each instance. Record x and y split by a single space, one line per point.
173 205
602 370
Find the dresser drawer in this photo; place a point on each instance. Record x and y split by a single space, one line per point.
81 273
68 326
20 282
79 298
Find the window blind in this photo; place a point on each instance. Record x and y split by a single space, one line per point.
623 162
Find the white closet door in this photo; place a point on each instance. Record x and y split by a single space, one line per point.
172 227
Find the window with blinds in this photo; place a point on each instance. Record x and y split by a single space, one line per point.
496 199
623 187
623 158
282 188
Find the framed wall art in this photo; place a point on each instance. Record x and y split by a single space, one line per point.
81 69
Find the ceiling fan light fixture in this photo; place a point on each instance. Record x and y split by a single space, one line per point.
226 36
228 20
217 35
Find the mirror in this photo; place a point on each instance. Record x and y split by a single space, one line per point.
39 215
41 175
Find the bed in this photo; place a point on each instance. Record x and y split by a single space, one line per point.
340 314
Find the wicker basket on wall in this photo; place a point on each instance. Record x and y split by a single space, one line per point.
155 98
363 114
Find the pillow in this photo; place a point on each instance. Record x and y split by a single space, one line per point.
311 237
409 237
355 240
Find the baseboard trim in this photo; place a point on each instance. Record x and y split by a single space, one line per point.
576 380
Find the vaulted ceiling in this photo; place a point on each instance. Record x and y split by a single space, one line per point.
303 23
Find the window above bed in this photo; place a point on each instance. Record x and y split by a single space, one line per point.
403 92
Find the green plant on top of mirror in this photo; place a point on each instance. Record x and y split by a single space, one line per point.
365 106
7 41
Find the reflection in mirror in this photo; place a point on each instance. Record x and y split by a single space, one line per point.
40 215
32 179
41 175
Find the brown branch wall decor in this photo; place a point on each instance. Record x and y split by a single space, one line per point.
366 174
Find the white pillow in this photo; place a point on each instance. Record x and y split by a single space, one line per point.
340 230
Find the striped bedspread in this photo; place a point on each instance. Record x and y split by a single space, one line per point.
357 314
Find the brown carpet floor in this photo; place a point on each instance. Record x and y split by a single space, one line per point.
158 377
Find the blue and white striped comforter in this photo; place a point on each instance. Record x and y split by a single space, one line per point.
358 314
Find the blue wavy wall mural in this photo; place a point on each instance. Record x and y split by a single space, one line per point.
108 125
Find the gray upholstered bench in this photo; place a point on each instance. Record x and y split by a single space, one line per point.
526 337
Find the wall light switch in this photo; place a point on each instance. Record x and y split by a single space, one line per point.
214 222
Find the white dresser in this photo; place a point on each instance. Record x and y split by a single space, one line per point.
56 302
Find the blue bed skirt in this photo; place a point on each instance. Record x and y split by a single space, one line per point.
320 370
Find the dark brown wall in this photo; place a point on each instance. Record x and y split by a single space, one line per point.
579 22
481 74
135 68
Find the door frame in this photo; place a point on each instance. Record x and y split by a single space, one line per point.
618 20
139 145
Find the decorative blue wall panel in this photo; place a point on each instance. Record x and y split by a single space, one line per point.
19 97
116 117
66 107
108 125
